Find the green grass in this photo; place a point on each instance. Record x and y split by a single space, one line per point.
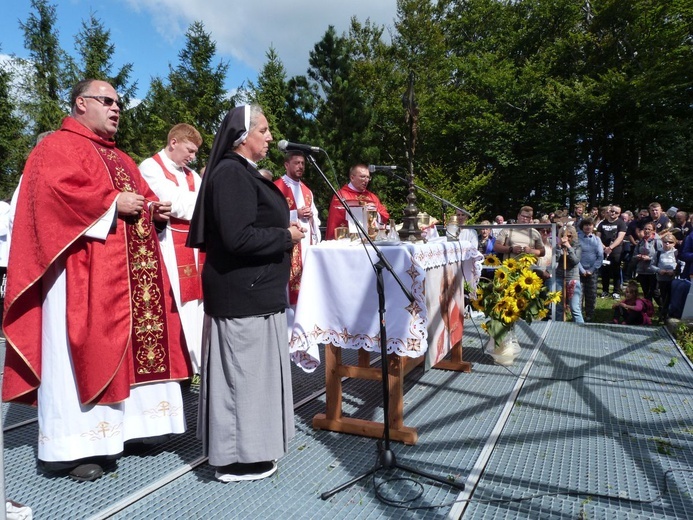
684 337
603 313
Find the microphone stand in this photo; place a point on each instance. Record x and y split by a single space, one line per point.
386 459
444 202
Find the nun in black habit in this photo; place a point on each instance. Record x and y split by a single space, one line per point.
241 221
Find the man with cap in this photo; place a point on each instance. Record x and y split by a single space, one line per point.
241 220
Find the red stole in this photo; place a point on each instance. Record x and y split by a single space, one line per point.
149 320
189 278
296 253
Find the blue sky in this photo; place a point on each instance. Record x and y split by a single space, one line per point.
150 33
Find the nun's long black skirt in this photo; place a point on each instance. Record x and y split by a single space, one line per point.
246 402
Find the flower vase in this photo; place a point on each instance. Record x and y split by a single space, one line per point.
504 351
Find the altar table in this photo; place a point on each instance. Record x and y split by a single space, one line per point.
338 306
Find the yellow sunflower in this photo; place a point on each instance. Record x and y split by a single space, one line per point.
521 305
511 264
527 260
515 289
492 261
510 314
543 313
478 304
501 275
500 307
530 281
554 297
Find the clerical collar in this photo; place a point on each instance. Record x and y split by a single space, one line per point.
289 180
352 187
170 163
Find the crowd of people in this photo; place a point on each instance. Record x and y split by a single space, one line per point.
631 255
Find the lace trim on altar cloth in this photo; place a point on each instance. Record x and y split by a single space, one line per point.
414 345
302 344
444 253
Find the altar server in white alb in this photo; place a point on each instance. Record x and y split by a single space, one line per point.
170 178
302 209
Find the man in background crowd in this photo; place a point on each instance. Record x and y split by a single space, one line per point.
612 231
515 242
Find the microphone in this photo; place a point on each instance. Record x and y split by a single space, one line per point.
286 146
375 168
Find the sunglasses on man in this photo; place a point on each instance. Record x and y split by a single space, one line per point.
106 101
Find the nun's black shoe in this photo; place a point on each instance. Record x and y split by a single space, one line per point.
86 472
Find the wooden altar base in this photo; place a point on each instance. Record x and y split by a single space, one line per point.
398 368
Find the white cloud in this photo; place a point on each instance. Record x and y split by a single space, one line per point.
245 30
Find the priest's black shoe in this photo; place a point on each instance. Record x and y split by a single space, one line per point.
86 472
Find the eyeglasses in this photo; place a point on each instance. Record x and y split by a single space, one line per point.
106 101
614 211
524 216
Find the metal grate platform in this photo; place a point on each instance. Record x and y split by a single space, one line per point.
592 421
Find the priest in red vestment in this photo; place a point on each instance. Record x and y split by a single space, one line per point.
92 333
302 209
359 177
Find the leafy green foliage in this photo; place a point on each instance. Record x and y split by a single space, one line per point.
12 141
539 102
45 87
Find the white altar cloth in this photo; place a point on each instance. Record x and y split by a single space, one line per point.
338 300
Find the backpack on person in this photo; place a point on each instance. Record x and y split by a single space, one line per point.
647 311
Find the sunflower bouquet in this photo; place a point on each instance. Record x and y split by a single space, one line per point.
514 293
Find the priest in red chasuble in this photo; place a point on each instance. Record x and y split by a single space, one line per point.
356 190
302 209
92 334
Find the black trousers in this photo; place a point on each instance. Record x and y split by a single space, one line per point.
648 283
612 272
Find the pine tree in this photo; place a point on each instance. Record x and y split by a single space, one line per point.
45 86
194 94
13 144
